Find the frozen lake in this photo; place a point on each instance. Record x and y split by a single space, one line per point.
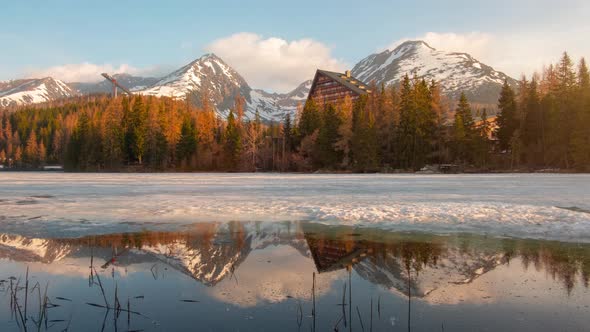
544 206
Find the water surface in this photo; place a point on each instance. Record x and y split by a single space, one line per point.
242 252
261 276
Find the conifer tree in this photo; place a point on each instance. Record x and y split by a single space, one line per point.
440 149
364 145
533 126
583 76
482 140
156 144
252 139
425 125
345 131
18 156
506 120
288 133
32 150
464 131
187 145
384 119
407 125
564 113
566 75
580 143
326 154
57 150
232 143
78 150
138 131
42 153
114 138
310 119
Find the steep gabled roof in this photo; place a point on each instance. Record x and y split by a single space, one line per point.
349 82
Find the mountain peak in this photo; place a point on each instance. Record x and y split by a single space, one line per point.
32 91
208 73
414 44
209 56
456 72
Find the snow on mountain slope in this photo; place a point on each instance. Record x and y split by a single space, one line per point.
210 75
455 72
31 91
33 249
206 260
454 267
207 75
274 106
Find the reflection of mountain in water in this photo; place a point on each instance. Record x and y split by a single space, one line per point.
388 262
425 263
210 252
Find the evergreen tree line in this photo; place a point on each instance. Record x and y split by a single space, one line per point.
403 128
544 124
547 124
136 133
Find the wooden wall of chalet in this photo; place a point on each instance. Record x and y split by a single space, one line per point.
329 91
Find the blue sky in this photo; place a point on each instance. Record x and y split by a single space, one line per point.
151 37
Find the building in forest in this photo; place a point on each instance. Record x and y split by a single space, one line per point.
331 88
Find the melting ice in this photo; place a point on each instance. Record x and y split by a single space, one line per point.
545 206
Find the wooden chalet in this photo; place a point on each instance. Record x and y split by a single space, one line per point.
334 247
331 88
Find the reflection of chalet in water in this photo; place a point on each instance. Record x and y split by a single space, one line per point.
331 88
334 254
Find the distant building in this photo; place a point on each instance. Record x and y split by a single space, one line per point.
53 168
331 88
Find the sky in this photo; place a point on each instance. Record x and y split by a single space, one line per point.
277 44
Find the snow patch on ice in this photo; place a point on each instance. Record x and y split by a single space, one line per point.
500 205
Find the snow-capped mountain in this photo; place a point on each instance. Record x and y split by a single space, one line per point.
21 248
211 76
208 261
207 75
452 267
133 83
455 72
275 106
32 91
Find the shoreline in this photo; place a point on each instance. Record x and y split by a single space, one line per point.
148 171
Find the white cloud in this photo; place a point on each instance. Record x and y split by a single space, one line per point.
274 63
515 53
86 72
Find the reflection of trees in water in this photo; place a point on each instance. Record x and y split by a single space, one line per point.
381 257
396 260
563 261
201 234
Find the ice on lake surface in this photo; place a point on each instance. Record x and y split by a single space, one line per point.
539 206
263 252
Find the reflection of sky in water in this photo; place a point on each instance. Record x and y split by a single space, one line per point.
259 277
